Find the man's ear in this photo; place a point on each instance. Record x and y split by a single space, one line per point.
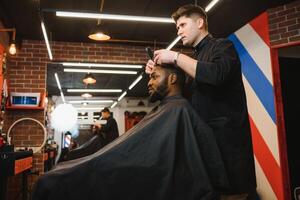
173 79
200 23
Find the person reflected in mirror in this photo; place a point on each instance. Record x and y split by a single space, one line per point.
110 130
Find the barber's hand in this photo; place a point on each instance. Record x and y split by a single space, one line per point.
164 56
97 125
149 67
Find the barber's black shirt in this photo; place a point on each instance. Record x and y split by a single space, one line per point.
219 98
110 129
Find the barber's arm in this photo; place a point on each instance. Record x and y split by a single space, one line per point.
183 61
223 64
107 126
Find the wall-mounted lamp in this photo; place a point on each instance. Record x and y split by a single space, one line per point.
12 47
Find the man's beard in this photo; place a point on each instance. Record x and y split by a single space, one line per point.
159 93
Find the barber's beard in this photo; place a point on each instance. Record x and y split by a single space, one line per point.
159 93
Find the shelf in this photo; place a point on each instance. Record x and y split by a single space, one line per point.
40 107
24 108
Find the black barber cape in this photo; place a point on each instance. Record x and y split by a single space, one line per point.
91 146
170 155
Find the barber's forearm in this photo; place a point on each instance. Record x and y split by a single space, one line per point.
187 64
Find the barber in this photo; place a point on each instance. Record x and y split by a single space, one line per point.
110 129
217 94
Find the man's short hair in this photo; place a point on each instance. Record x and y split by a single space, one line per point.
171 69
105 110
189 10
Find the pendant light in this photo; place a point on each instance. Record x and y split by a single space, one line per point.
86 95
12 47
89 79
99 34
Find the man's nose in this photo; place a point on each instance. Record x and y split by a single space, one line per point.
179 31
149 83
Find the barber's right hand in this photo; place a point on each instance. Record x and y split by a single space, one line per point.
149 67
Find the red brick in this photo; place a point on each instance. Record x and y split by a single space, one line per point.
289 34
16 76
32 59
293 15
273 27
286 12
32 50
294 39
278 31
282 41
288 23
26 81
39 46
294 27
16 85
40 55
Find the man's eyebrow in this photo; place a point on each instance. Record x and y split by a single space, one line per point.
152 74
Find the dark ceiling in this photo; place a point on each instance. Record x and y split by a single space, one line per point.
225 18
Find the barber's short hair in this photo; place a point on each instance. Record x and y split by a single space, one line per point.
106 109
172 69
189 10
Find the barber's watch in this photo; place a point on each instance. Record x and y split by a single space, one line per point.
175 59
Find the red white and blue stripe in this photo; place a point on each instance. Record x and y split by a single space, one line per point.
253 46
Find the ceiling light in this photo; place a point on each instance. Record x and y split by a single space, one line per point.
114 17
173 43
62 96
90 108
210 5
84 103
46 40
122 95
135 82
12 47
91 101
86 95
95 90
98 71
89 79
114 104
99 34
57 81
102 65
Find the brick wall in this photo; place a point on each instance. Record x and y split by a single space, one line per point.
284 23
284 30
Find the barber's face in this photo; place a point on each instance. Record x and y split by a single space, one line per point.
189 29
157 85
104 115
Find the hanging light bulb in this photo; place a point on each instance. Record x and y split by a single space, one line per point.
89 79
12 48
99 34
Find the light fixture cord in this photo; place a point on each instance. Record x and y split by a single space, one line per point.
101 8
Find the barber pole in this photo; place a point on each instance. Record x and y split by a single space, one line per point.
67 141
253 46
